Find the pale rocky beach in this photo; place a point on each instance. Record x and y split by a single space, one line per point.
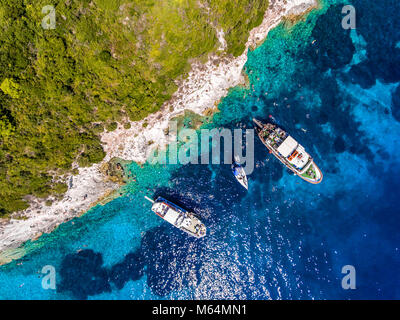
200 91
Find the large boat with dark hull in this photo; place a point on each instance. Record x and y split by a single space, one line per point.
178 217
288 151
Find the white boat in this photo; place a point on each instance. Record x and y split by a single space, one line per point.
288 151
239 173
178 217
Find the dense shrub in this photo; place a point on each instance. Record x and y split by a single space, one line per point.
104 61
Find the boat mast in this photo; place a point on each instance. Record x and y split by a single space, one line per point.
147 198
258 123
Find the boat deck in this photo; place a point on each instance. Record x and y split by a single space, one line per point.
180 218
192 224
272 137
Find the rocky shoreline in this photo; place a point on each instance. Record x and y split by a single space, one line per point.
200 91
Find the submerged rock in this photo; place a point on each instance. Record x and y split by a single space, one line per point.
335 49
339 145
114 170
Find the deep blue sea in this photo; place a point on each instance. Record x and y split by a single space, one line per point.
337 92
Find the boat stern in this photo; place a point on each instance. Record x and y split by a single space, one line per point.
202 232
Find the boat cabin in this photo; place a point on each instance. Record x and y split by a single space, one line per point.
295 153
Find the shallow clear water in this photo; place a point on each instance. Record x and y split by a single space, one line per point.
284 239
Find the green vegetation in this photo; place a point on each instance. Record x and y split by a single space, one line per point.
237 17
105 62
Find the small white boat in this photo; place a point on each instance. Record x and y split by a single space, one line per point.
178 217
239 173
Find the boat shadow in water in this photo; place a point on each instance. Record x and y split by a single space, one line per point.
83 274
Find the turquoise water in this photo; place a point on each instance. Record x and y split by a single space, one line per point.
284 239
